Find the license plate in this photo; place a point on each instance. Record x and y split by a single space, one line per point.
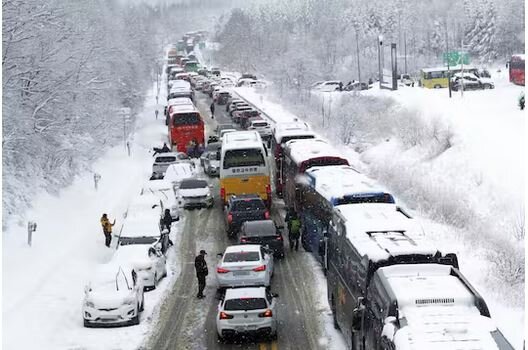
240 273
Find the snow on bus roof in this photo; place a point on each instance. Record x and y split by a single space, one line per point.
338 181
444 68
305 149
437 309
292 132
241 139
381 230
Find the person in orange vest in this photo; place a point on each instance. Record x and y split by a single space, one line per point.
107 229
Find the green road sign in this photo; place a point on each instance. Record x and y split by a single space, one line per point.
456 57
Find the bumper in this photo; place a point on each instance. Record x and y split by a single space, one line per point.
265 328
120 316
148 279
249 281
208 203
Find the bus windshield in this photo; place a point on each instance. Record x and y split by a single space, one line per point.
243 157
181 119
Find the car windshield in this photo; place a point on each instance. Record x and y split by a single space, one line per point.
243 157
170 159
259 229
190 184
241 257
245 304
248 204
137 240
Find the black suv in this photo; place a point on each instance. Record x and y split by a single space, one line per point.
263 232
241 208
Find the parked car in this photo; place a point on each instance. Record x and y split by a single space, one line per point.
327 86
407 80
163 160
244 265
212 147
145 257
215 71
113 297
244 117
355 86
195 193
236 114
231 103
226 131
143 205
238 106
241 208
262 127
222 97
212 164
470 81
250 311
165 191
221 127
178 172
138 230
263 232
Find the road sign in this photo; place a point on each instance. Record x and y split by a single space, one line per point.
456 57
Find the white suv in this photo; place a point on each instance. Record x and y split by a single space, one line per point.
247 311
245 265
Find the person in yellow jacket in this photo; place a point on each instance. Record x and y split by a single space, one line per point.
107 229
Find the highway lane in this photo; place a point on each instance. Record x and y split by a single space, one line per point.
188 323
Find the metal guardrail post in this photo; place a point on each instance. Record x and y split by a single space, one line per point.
32 227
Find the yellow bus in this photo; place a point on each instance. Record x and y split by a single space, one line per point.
244 166
437 77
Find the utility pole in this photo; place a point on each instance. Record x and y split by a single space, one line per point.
405 50
380 72
447 57
359 66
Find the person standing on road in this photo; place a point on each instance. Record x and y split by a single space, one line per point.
107 229
294 232
201 272
212 108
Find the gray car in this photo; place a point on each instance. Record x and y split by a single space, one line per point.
212 147
212 164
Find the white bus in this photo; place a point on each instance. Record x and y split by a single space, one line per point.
244 166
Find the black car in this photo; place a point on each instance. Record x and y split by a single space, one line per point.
263 232
241 208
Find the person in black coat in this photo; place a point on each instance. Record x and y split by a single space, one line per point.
201 272
212 108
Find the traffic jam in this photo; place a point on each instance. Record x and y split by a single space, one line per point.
283 188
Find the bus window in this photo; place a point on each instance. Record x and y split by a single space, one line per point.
243 157
186 119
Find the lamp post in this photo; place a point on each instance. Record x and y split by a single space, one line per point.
380 67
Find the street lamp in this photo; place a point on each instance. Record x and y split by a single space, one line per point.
380 46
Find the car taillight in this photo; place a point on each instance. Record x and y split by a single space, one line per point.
243 240
266 214
268 190
229 218
222 193
267 313
279 238
224 316
260 268
221 270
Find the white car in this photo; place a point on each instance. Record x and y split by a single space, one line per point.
144 205
195 193
226 131
212 164
327 86
245 265
165 191
113 297
177 172
147 260
262 126
163 160
137 230
247 311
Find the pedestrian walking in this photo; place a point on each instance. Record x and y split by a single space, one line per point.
201 272
212 108
294 228
156 114
521 100
107 229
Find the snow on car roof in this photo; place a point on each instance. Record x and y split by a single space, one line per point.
305 149
179 101
438 311
250 292
243 248
381 230
157 185
338 181
146 225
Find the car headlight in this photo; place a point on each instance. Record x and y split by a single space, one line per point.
89 303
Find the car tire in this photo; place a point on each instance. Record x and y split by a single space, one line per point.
437 86
221 339
135 320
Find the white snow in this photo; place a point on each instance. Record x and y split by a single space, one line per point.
43 285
